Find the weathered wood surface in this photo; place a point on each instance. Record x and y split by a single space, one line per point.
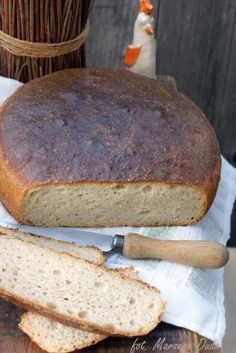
166 338
196 45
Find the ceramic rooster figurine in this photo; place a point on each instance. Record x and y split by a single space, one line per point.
140 56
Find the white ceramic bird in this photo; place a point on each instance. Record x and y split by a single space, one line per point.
140 56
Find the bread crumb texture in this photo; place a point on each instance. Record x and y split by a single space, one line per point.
75 291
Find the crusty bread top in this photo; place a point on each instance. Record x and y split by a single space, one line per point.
76 292
106 125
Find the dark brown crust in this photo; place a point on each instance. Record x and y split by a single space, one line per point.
103 125
66 319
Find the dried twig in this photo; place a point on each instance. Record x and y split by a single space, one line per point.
50 21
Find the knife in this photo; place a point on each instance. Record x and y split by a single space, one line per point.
198 253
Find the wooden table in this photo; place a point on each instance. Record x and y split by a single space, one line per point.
165 338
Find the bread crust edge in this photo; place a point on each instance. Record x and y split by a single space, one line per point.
97 337
98 251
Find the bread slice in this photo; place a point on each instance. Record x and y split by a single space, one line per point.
76 292
54 337
89 253
47 333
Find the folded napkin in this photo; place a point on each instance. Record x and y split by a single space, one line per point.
195 297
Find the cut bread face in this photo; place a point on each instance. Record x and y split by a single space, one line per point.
47 333
76 292
54 337
89 253
111 204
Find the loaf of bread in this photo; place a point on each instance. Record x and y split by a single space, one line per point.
89 253
103 147
76 292
55 337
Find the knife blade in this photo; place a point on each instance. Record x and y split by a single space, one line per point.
78 236
205 254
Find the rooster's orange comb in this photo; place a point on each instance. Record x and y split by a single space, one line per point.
145 7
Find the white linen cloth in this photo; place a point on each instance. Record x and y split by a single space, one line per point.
195 297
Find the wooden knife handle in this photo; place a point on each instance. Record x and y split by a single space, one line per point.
205 254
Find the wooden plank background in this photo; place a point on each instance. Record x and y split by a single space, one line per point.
196 44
